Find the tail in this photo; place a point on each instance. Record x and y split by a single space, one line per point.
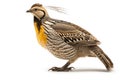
102 56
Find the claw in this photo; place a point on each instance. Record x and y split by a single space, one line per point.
72 68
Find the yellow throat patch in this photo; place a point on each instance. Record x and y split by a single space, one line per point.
41 36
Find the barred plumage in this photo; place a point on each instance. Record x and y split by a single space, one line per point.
56 45
65 40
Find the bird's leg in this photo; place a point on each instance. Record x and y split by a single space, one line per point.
64 68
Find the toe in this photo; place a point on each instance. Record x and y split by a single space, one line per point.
61 69
52 69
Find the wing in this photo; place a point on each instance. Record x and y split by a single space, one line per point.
71 33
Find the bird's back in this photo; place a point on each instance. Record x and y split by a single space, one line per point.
71 33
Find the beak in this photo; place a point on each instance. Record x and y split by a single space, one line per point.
29 10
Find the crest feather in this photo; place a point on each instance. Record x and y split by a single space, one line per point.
36 5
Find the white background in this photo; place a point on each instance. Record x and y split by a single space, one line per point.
21 57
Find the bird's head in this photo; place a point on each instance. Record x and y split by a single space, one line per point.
38 11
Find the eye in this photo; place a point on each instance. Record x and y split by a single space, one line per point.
35 9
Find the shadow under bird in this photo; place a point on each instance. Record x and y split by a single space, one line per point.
65 40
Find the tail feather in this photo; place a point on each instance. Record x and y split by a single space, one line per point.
102 56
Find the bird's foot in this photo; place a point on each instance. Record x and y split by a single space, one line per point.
61 69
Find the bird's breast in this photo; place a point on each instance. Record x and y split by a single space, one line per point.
40 34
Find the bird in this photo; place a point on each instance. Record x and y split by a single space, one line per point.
65 40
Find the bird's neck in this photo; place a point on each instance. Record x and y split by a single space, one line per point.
37 24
